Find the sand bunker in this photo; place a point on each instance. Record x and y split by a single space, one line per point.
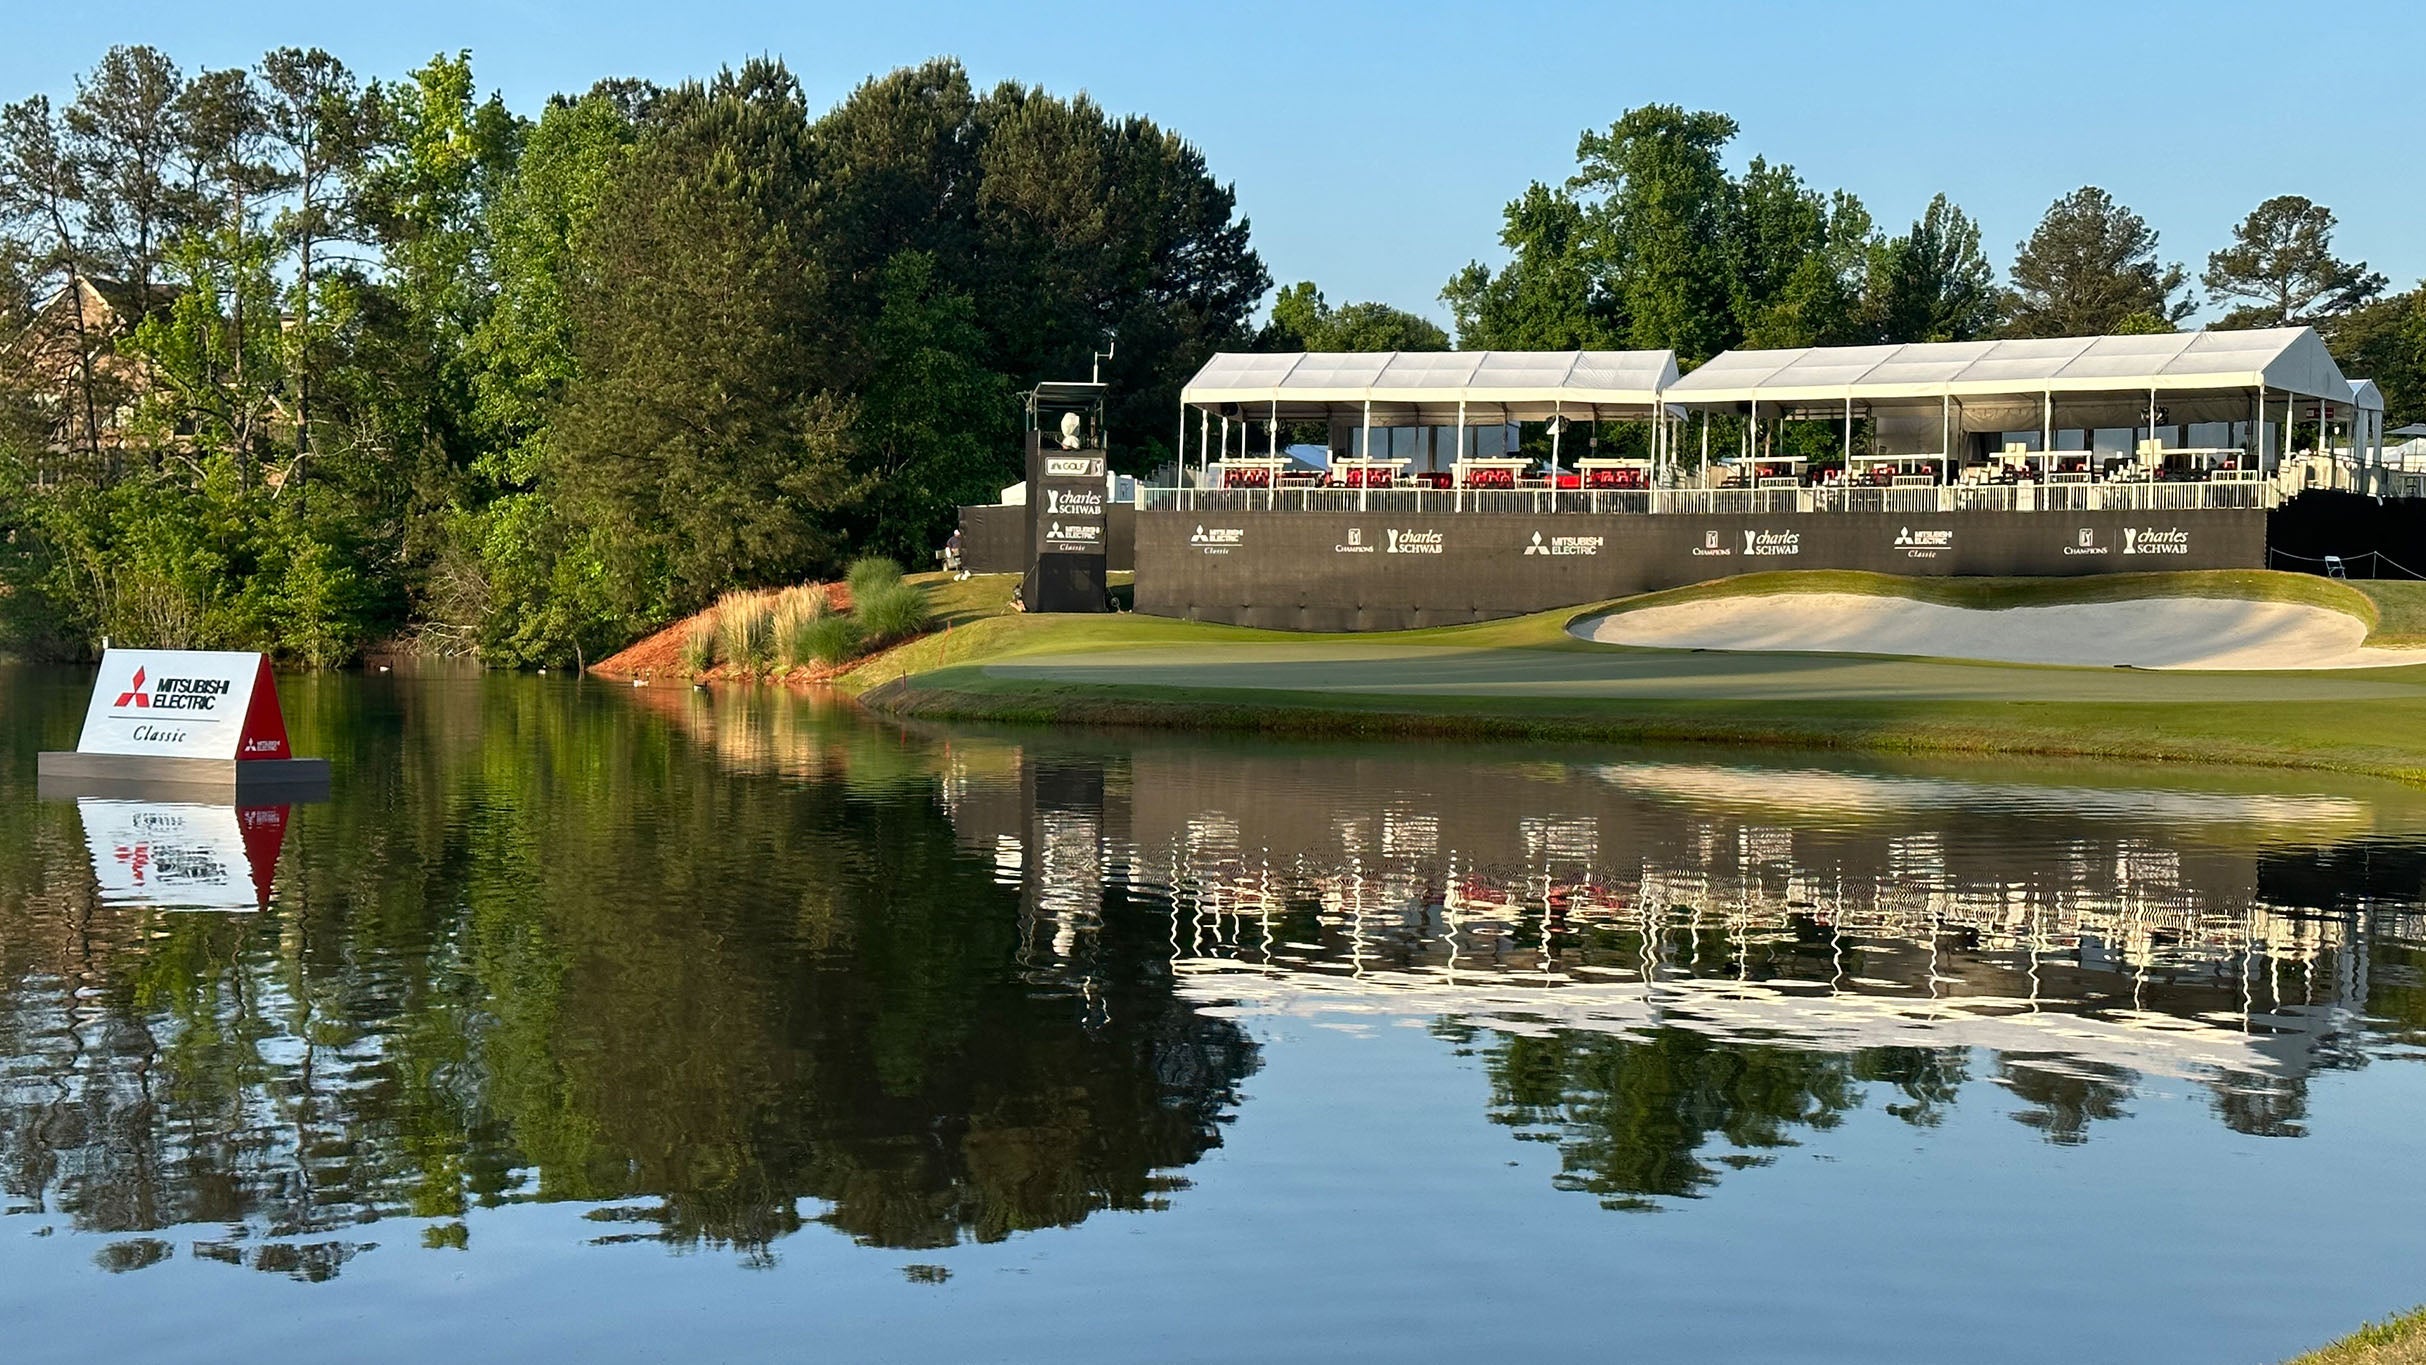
2154 632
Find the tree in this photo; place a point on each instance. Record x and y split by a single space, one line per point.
324 126
1302 321
1662 226
128 125
1798 261
1933 283
2281 264
2090 268
1549 297
935 427
2386 341
42 192
688 436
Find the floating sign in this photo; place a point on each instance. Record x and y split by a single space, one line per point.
183 856
183 703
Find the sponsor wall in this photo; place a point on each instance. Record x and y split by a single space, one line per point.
994 539
1355 571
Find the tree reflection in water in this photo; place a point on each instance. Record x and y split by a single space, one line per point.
545 947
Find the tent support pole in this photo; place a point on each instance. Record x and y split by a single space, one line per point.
1364 487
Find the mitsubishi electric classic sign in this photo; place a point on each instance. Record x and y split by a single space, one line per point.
183 856
183 703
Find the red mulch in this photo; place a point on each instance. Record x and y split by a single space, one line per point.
660 655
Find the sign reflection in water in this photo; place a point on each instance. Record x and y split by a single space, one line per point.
179 855
1670 967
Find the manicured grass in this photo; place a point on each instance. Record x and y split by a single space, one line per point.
2394 1341
1526 678
2400 612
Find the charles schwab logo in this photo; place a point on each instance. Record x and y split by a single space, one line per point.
1219 540
172 694
1414 542
2148 540
1710 545
2084 542
1773 542
1564 545
1062 502
1355 543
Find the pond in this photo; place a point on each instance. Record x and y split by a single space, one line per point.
640 1024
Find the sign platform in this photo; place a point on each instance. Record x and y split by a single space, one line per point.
188 719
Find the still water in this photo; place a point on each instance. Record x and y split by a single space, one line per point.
654 1025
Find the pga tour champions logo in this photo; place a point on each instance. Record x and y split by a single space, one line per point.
2085 543
2148 540
1711 547
1558 546
1354 544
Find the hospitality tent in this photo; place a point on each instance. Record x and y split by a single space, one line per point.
1447 389
1921 395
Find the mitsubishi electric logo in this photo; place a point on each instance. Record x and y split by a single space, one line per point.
1924 543
1564 545
172 694
1218 541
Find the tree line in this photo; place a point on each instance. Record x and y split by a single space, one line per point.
353 359
381 357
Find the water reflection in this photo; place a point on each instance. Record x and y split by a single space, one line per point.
718 968
1671 969
182 855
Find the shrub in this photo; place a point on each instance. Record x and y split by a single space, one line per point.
795 612
831 639
872 574
699 645
893 612
746 621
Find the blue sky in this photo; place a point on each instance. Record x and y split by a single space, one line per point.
1373 145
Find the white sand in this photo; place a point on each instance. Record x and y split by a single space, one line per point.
2154 632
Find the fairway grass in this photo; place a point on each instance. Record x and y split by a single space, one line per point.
2395 1341
1526 678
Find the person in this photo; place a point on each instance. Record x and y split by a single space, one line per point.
951 556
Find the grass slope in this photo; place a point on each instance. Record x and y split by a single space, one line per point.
2395 1341
1467 681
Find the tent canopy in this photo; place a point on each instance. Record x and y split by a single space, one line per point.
2280 360
1424 388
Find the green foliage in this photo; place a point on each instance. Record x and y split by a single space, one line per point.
871 574
796 610
1933 283
2386 341
2281 269
1302 321
833 639
2089 268
892 612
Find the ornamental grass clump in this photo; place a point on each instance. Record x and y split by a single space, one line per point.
894 611
796 610
699 645
831 639
871 574
746 624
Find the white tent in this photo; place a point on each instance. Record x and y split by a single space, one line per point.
2281 360
1435 388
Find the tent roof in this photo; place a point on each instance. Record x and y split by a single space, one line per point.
1524 384
2284 359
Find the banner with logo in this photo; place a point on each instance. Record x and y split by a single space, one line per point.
181 856
184 703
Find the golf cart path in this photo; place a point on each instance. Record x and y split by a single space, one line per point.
2186 633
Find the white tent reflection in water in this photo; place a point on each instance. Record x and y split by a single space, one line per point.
177 855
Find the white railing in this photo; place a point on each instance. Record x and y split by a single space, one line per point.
1907 501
